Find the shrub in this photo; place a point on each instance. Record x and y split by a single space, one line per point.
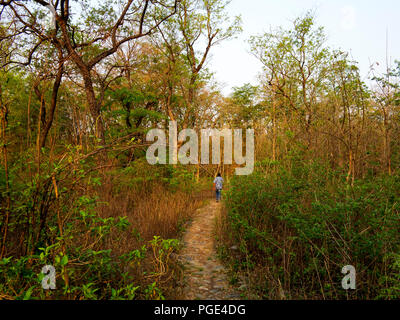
296 230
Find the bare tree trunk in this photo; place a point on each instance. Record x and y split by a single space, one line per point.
4 113
387 142
94 108
53 105
274 128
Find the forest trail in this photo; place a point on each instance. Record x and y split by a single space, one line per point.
205 276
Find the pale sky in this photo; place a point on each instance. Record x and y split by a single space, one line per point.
355 26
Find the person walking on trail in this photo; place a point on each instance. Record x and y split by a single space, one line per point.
218 184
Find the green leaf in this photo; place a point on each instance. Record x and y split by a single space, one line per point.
64 260
28 293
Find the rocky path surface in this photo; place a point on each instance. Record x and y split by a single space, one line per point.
205 276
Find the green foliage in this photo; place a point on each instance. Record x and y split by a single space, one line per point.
308 223
390 282
243 109
91 274
180 178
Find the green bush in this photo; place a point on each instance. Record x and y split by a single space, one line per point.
296 230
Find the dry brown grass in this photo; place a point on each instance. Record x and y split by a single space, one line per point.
152 210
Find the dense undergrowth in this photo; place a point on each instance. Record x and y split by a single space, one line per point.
290 232
109 233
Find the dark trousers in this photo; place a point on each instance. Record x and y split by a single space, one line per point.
218 194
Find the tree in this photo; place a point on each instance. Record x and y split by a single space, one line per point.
48 70
243 108
295 65
197 23
89 40
346 110
387 98
198 20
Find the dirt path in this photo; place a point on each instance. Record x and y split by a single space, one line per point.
205 276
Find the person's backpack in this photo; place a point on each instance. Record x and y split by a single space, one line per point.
218 183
